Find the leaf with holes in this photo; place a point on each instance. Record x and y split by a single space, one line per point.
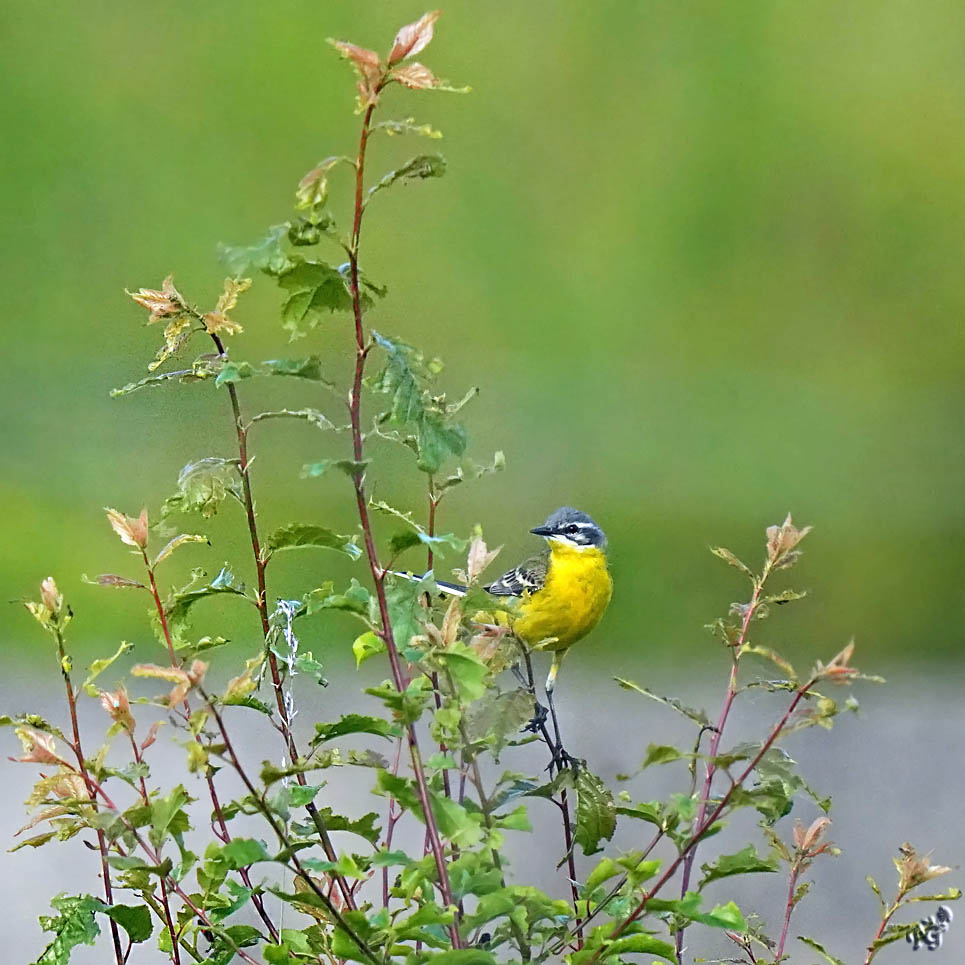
296 535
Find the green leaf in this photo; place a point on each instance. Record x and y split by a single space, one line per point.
241 852
408 126
596 815
97 667
37 841
649 811
313 417
134 919
403 540
168 815
307 534
203 486
355 599
952 894
267 255
455 823
606 869
75 925
178 606
462 956
315 289
313 188
176 543
661 754
348 466
234 372
468 672
697 716
819 948
721 916
405 379
724 916
309 368
303 794
745 861
728 557
365 827
367 645
406 612
186 375
421 166
642 944
436 441
353 724
496 717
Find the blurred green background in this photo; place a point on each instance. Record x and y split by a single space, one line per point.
702 260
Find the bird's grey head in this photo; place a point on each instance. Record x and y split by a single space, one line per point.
572 527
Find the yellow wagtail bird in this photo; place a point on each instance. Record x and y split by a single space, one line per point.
558 596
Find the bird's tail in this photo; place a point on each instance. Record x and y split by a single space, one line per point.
450 589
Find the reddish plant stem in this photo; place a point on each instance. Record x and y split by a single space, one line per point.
789 908
283 838
261 563
221 831
711 767
611 894
889 913
165 903
78 750
437 696
377 571
393 819
704 826
155 857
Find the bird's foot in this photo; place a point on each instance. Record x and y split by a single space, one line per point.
562 759
538 721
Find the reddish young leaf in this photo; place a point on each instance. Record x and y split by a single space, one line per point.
415 76
413 37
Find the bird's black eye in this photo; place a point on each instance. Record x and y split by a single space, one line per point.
572 528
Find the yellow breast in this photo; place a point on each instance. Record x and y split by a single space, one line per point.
576 594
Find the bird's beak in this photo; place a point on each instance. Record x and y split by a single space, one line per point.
542 531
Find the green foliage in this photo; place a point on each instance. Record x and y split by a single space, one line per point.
444 717
307 534
203 486
420 167
180 603
426 420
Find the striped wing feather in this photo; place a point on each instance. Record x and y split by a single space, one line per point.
528 577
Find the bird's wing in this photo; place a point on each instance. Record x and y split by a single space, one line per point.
528 577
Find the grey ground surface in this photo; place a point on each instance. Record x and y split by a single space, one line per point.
894 772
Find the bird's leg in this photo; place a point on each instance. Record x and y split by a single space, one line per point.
538 723
560 757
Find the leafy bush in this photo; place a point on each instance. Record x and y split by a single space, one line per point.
453 716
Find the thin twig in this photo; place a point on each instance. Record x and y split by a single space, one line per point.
261 562
789 908
711 766
78 750
283 838
222 830
155 857
165 904
711 819
375 567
